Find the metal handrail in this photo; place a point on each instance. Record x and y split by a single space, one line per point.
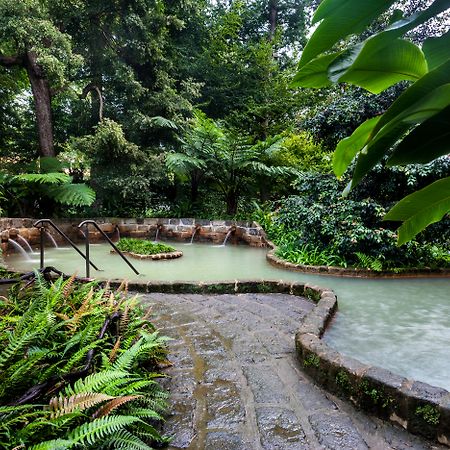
86 223
39 224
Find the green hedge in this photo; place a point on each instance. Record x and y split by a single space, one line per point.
143 247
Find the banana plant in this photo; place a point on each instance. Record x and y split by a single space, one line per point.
415 128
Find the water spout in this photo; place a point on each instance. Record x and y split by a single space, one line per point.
20 249
52 239
158 227
118 233
231 230
25 242
197 228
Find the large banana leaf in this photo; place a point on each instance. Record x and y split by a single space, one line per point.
339 19
379 145
421 209
377 64
425 143
348 148
315 73
437 50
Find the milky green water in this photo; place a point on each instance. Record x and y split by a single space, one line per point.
401 325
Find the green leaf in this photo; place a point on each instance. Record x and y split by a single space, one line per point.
437 50
339 19
315 73
419 89
423 109
49 164
420 209
44 178
72 194
425 143
347 148
378 64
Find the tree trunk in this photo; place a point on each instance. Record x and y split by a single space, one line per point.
273 17
42 102
232 203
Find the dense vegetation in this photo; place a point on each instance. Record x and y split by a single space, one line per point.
143 247
78 367
204 108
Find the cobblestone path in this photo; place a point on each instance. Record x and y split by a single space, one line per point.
236 384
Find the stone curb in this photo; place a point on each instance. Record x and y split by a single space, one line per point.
351 271
156 256
418 407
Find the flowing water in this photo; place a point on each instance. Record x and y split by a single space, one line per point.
25 242
399 324
20 249
52 239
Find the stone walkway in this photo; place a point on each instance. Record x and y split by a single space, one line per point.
236 384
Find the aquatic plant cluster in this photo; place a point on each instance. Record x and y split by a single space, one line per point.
78 368
143 247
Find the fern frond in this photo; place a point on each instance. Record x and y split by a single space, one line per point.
128 357
114 404
124 320
79 355
16 345
96 381
68 286
99 429
146 413
60 406
115 349
55 444
72 194
124 440
44 178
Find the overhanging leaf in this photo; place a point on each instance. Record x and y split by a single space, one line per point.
339 19
420 209
72 194
378 64
347 148
437 50
315 73
419 89
44 178
425 143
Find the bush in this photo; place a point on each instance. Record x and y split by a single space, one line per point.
77 369
319 225
143 247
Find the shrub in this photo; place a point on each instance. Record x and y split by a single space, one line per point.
143 247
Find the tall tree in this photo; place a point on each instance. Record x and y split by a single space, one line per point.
31 39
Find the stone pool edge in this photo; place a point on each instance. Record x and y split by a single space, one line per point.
416 406
351 272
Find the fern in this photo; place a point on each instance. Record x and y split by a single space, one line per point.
98 429
114 404
60 406
72 194
55 444
44 178
95 382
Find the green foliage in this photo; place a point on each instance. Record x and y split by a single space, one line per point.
36 190
419 110
143 247
429 413
300 151
47 334
318 226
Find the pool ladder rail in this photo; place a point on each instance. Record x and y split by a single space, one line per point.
40 224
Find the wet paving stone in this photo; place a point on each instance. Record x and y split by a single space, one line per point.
336 432
224 441
225 407
280 429
235 382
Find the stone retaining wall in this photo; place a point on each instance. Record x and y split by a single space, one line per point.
418 407
213 231
353 272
